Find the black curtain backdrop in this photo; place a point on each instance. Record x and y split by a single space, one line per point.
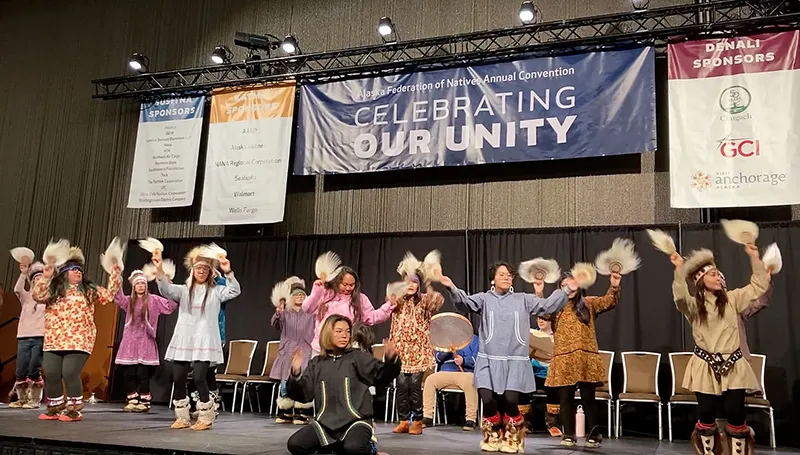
645 320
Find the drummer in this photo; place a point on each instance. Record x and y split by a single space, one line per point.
455 371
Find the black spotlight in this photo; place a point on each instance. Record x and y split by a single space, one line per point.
529 13
387 30
221 54
139 62
290 45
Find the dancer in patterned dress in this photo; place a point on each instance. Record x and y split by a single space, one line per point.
29 384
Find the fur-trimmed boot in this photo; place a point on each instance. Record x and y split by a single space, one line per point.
514 436
55 406
216 397
182 417
21 389
526 411
303 412
205 417
492 433
551 420
285 406
740 440
133 403
73 411
144 403
706 439
35 394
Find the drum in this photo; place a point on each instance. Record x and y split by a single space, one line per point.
450 332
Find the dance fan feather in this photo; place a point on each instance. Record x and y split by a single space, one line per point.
540 269
740 231
409 265
396 289
152 246
328 266
662 241
169 268
217 251
23 255
279 294
432 266
56 253
113 255
772 259
150 272
620 258
584 274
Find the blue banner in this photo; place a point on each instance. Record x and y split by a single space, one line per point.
594 104
172 109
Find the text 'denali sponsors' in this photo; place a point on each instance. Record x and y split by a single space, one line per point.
167 146
248 156
733 121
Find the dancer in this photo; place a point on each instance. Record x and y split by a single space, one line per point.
297 331
138 351
338 380
455 372
716 369
411 333
30 339
503 368
540 361
196 340
70 330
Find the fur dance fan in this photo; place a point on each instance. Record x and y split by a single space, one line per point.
57 253
662 241
328 266
23 255
152 246
409 266
396 289
772 259
584 274
620 258
113 255
740 231
280 292
218 251
432 266
150 271
546 270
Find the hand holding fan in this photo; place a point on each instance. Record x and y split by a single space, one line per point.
328 266
620 258
662 241
740 231
56 253
584 274
432 267
153 246
540 269
23 255
113 256
773 260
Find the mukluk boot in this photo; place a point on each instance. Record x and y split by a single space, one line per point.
144 403
216 398
514 435
205 417
195 399
182 417
706 440
72 413
551 420
740 440
302 413
285 406
526 410
21 389
35 394
133 403
55 406
492 428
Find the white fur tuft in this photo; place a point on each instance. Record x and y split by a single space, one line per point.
150 271
169 268
620 258
151 245
57 253
773 259
217 251
432 266
740 231
662 241
584 274
543 269
328 266
113 255
23 255
409 266
279 292
396 289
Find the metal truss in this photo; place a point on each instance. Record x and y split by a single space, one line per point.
653 27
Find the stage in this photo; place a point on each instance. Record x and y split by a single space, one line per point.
107 429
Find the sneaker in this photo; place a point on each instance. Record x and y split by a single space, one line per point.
594 441
568 441
469 425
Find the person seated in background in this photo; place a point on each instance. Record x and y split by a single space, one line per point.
540 360
455 371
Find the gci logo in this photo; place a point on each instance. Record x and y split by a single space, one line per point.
740 147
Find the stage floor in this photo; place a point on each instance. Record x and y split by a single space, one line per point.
106 427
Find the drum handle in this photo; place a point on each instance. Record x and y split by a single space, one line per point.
454 356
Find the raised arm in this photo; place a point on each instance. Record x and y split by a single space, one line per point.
41 288
231 290
123 301
758 304
373 316
160 305
432 301
684 301
759 282
552 304
301 388
19 287
601 304
318 294
171 291
277 319
374 372
105 295
461 301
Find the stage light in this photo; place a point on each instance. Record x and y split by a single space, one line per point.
221 54
139 62
640 5
529 13
387 30
290 45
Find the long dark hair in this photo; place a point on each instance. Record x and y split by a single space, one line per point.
355 297
60 284
145 308
210 283
700 298
364 336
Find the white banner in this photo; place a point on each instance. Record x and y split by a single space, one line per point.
733 121
248 156
167 146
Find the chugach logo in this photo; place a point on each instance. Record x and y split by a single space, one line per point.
735 99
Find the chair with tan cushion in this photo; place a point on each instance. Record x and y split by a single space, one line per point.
679 396
240 358
257 380
604 393
759 400
640 385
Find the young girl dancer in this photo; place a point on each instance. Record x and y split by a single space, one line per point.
540 360
503 368
196 339
69 329
30 340
338 380
343 297
717 370
297 331
138 352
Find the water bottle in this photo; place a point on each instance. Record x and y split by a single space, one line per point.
580 423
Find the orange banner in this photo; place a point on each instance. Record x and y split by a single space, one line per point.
237 105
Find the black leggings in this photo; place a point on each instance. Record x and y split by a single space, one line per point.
66 365
180 371
566 395
211 378
551 392
137 378
494 403
731 400
358 441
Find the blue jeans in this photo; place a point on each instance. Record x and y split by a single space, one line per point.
29 358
